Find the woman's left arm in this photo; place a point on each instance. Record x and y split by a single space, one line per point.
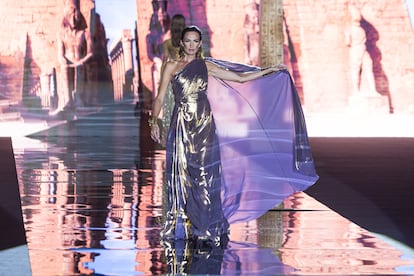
221 73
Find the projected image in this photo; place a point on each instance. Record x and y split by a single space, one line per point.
80 55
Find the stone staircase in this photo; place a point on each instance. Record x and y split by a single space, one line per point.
8 111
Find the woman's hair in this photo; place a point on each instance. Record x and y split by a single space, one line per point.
177 27
187 29
192 28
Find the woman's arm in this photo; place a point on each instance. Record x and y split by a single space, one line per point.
221 73
167 55
159 100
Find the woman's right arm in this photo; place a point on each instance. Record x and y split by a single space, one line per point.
159 99
166 56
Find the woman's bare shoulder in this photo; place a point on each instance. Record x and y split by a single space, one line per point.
171 64
172 67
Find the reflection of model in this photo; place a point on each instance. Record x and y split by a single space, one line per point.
183 259
360 60
154 49
196 164
74 49
171 48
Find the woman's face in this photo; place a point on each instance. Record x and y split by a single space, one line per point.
191 43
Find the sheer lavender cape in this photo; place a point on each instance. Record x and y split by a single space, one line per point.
264 146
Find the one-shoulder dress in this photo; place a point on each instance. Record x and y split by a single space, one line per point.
241 162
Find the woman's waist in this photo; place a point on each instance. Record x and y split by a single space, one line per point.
190 97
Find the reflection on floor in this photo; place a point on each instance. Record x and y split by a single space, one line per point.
92 197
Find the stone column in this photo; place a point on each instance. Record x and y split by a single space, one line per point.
271 32
271 52
127 48
127 40
45 82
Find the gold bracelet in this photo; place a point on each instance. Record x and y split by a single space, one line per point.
152 121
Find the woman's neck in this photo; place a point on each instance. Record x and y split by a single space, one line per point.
188 58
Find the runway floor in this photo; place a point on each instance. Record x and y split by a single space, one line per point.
91 195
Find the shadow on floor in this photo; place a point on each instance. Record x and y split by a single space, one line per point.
369 181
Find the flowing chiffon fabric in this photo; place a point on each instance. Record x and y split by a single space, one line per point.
265 152
236 165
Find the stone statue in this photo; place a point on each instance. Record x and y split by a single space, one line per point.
74 49
251 32
360 60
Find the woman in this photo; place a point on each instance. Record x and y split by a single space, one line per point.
171 47
197 182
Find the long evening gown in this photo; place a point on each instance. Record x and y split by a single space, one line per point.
237 165
193 162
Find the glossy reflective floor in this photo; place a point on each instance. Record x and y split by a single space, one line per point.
92 198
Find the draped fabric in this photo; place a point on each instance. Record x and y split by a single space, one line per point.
236 165
265 152
167 109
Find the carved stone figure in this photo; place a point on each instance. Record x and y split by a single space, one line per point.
360 60
74 49
251 32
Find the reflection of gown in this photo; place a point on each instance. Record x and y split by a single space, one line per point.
237 259
260 156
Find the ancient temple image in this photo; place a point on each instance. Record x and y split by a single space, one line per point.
55 60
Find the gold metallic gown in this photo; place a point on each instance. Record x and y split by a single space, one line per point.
193 162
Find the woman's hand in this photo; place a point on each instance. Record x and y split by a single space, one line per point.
155 133
155 129
271 69
278 67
